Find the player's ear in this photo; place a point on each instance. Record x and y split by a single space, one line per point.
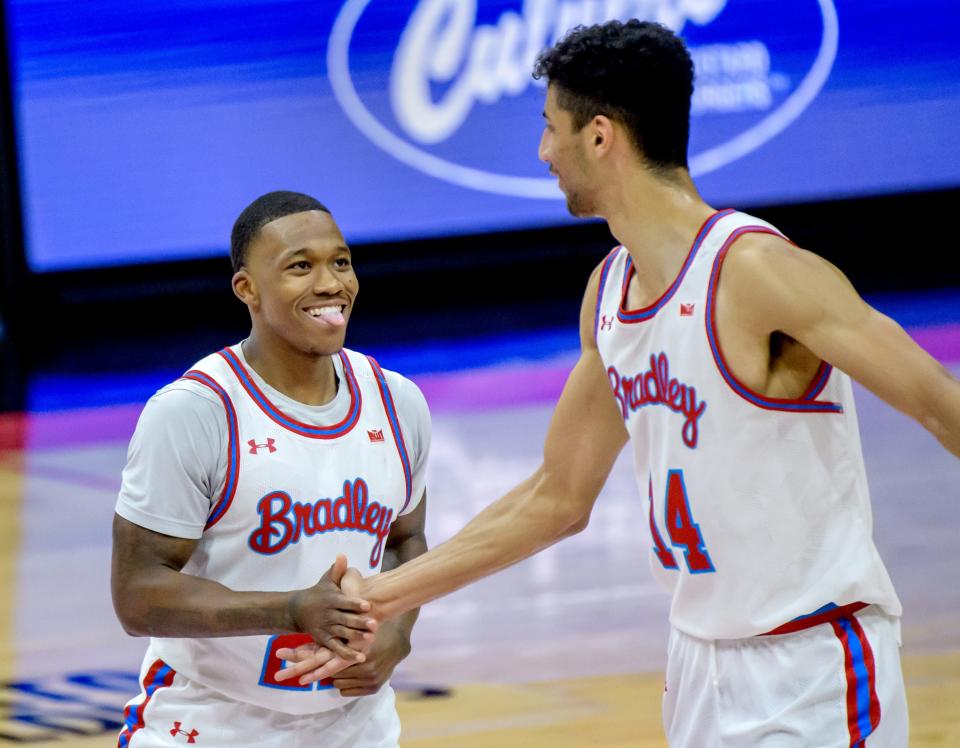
601 134
244 288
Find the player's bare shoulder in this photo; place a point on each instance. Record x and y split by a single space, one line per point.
588 307
768 255
765 279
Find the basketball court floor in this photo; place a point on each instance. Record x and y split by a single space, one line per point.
565 649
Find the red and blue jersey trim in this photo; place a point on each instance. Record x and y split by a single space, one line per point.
160 675
233 447
391 410
818 383
807 402
632 316
604 272
863 704
277 416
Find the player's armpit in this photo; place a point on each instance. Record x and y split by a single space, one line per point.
783 288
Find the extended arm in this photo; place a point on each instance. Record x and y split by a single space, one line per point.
585 436
407 541
781 288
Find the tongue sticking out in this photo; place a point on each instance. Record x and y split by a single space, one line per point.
333 318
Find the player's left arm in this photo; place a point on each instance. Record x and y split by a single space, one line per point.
779 287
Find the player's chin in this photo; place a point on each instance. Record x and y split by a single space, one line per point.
325 342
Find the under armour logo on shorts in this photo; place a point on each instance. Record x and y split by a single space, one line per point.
191 736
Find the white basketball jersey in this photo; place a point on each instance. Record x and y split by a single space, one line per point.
759 510
295 496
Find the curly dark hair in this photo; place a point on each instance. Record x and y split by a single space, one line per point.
638 73
262 211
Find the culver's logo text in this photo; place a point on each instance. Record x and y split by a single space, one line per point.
447 66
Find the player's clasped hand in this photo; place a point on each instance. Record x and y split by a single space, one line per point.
332 618
313 663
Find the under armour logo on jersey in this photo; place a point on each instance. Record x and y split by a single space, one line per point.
686 310
268 446
191 736
606 323
375 435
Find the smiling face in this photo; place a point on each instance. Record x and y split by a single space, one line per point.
563 148
299 284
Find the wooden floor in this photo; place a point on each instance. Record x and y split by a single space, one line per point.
520 659
613 711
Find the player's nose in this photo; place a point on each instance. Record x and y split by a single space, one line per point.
543 152
325 281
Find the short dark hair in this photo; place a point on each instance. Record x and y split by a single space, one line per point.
639 73
262 211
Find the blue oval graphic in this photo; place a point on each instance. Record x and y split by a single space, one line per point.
481 64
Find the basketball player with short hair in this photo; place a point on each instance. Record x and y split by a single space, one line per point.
263 465
721 352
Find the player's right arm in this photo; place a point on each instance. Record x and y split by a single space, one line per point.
585 436
167 485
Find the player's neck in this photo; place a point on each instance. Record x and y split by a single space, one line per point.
657 220
307 378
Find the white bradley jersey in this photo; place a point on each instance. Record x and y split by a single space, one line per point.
295 496
759 509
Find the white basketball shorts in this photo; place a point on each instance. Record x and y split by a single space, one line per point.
174 711
837 684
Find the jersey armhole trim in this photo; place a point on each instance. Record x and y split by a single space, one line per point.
391 410
233 447
807 402
604 272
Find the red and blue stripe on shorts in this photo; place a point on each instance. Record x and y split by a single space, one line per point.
160 675
863 705
860 669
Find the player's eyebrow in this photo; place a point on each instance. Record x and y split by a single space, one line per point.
291 253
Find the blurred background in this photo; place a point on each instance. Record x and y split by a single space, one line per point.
131 136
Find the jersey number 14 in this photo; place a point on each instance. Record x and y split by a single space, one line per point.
681 529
